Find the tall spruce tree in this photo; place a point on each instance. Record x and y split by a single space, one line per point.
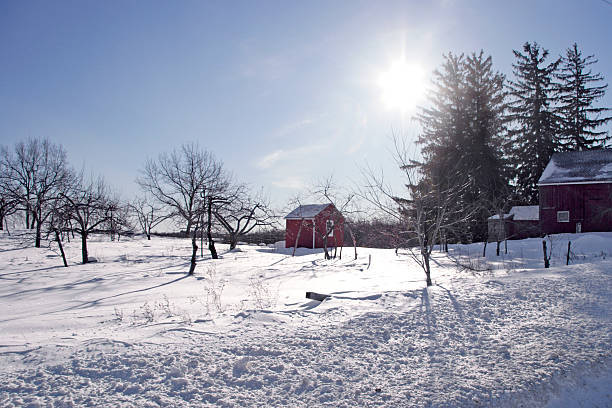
463 136
535 124
579 118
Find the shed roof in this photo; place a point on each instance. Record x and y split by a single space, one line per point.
521 213
578 167
307 211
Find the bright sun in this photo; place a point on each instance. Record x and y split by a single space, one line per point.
403 86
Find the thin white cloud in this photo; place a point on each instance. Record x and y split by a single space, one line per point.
292 127
270 159
285 155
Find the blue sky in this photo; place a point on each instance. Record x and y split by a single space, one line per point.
283 92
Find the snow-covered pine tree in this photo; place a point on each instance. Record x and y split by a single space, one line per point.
579 118
534 123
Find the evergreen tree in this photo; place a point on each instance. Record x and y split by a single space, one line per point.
463 137
444 121
535 124
579 118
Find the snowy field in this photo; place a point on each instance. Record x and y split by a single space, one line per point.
133 330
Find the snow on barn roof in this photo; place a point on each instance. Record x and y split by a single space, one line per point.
521 213
578 167
306 211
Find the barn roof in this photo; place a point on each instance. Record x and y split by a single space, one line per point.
307 211
578 167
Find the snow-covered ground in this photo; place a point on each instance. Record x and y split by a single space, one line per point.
134 330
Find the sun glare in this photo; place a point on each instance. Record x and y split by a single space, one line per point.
402 86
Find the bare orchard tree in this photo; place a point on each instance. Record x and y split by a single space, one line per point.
36 173
58 225
87 204
147 214
343 200
241 212
423 213
178 179
8 204
119 219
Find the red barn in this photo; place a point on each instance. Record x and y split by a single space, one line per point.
576 192
308 225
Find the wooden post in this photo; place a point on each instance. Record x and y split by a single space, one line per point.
201 238
569 245
546 259
484 249
369 260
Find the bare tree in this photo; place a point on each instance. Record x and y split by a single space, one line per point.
148 215
8 205
178 179
343 201
88 205
36 173
58 224
296 202
119 219
423 213
241 212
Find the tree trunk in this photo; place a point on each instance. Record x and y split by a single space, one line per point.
211 242
354 241
233 241
201 239
38 233
427 268
325 246
148 236
1 222
194 252
84 247
188 229
484 249
61 247
297 239
497 250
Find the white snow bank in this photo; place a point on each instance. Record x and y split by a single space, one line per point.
134 330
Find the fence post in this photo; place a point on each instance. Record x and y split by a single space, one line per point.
569 245
546 260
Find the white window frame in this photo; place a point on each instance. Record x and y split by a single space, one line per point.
563 216
327 224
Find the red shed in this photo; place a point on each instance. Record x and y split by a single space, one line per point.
576 192
308 224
